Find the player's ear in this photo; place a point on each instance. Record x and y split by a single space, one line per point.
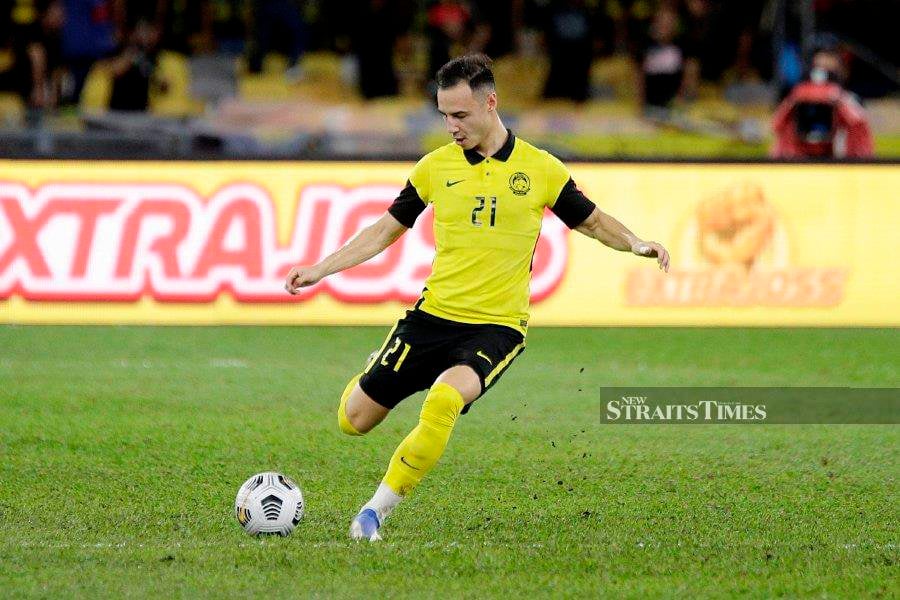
492 100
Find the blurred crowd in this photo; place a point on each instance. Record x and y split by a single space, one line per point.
48 47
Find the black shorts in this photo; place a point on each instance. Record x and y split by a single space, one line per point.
421 346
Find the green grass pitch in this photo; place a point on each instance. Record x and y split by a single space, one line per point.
123 447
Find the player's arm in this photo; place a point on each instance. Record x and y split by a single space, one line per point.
366 244
612 233
369 242
579 213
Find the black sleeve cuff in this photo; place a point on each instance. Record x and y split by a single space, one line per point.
407 206
572 207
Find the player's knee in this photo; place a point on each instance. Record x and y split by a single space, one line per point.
346 425
352 421
442 405
464 379
348 422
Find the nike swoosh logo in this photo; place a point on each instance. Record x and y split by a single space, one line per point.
403 460
485 357
452 183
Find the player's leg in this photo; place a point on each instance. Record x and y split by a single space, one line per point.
477 360
358 413
420 451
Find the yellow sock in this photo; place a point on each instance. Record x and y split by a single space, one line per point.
343 421
419 452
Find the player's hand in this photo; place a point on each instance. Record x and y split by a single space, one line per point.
301 277
652 250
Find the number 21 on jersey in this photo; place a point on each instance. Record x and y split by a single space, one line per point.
482 201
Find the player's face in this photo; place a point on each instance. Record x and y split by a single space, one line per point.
467 113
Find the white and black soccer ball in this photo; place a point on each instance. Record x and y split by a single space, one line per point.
269 503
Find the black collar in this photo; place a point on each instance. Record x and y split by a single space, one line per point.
502 154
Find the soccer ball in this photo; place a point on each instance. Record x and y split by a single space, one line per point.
269 503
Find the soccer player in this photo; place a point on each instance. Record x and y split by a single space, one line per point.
489 190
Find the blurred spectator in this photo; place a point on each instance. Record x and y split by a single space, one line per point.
328 25
133 69
89 34
503 18
185 25
52 20
228 23
725 37
675 42
141 10
569 35
697 25
632 20
377 25
277 26
788 40
453 27
25 73
662 62
748 53
820 118
870 28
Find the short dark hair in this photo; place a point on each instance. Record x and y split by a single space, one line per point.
474 69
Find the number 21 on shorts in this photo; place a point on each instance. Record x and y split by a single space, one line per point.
385 360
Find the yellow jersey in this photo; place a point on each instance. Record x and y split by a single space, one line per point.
487 219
